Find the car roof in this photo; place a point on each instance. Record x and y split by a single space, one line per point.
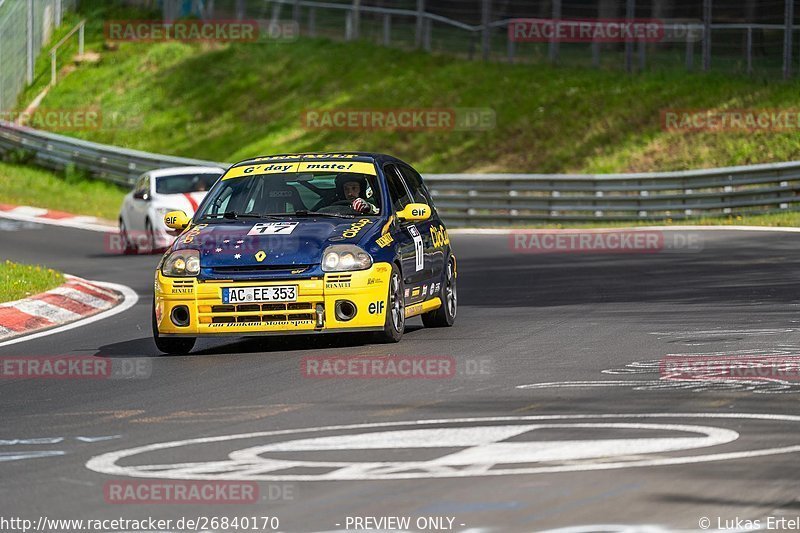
367 157
177 171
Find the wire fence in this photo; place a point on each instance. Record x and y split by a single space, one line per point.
752 36
25 27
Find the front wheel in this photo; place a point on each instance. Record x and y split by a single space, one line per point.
445 315
395 322
171 345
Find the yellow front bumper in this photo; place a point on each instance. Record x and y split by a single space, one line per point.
312 312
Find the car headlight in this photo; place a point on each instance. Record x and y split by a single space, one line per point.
345 257
181 263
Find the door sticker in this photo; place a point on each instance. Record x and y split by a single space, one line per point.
419 248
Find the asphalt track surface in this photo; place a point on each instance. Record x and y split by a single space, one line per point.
563 349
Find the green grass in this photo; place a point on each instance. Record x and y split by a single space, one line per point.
226 102
23 185
20 281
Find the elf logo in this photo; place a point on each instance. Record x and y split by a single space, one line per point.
376 308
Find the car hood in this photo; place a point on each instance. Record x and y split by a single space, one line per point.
260 245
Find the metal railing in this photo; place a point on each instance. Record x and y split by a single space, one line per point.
722 33
81 29
491 199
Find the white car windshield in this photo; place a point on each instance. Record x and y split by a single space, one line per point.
184 183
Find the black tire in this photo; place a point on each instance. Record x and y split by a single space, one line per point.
395 322
127 246
171 345
151 237
445 315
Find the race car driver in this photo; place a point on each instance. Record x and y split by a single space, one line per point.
354 188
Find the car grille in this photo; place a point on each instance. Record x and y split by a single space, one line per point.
267 313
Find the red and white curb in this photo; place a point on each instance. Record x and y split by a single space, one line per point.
72 304
40 215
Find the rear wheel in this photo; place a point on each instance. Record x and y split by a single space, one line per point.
395 322
445 315
171 345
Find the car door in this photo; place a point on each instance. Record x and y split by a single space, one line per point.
435 235
410 237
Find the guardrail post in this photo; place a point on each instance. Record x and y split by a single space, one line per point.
553 48
312 22
81 38
29 42
296 11
53 70
426 43
511 50
420 19
642 54
787 40
356 10
59 12
596 54
241 9
348 26
630 11
706 35
689 52
749 50
387 29
486 36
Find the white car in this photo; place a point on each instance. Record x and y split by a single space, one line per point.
157 192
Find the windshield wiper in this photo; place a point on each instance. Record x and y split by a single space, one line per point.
233 215
305 213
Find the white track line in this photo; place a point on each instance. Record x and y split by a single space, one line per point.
129 300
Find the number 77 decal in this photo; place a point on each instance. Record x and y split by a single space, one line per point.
419 248
273 228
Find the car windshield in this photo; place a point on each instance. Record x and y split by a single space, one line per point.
183 183
301 193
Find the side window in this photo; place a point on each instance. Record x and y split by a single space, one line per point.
398 192
414 181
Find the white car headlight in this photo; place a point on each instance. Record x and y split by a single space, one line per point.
181 263
345 257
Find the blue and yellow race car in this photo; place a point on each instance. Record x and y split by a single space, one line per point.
306 243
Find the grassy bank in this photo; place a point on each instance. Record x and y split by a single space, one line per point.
20 281
230 101
24 185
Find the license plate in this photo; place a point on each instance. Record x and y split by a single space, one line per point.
274 293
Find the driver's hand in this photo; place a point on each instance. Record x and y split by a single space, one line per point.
361 205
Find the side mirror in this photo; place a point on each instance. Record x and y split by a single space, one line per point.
177 220
414 213
141 195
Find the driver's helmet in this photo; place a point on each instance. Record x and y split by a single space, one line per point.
341 179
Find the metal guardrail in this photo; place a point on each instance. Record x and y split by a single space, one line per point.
491 199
